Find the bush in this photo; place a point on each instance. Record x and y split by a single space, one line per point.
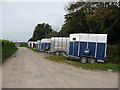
113 54
8 48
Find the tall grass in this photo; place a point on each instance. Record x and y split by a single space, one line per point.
8 48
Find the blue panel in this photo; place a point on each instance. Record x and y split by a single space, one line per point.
71 48
44 45
83 45
75 49
92 47
100 51
47 45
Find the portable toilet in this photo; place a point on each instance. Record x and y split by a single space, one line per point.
38 44
88 47
35 45
45 44
30 44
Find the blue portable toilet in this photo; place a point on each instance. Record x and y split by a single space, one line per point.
45 44
88 47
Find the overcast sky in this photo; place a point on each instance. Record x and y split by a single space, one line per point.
20 18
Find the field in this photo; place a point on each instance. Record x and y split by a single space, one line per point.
8 48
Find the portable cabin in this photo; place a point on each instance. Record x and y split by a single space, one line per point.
88 47
59 45
29 44
32 44
45 44
38 44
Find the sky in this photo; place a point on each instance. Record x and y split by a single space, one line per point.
20 18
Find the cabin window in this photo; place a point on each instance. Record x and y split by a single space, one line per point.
74 39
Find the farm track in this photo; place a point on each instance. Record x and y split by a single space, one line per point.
29 69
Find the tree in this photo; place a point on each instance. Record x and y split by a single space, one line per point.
51 34
41 30
93 17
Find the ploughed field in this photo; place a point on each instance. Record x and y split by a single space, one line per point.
29 69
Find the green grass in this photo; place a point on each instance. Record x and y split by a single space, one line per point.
36 50
8 48
23 45
95 66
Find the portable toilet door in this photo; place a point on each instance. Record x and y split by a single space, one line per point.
34 45
38 44
74 45
30 45
101 47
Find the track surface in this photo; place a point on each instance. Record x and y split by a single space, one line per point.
29 69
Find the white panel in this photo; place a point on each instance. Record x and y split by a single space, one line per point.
74 36
92 37
102 38
38 41
45 40
59 44
84 37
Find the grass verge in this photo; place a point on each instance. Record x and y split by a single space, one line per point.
8 48
36 50
95 66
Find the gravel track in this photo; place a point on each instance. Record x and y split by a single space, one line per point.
29 69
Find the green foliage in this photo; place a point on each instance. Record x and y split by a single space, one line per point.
93 17
51 34
113 55
23 45
41 30
8 48
95 66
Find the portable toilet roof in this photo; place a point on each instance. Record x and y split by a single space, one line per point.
83 37
38 41
46 40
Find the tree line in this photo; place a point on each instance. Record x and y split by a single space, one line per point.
86 17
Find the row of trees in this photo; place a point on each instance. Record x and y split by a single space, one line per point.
87 17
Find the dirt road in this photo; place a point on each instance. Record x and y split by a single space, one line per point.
29 69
